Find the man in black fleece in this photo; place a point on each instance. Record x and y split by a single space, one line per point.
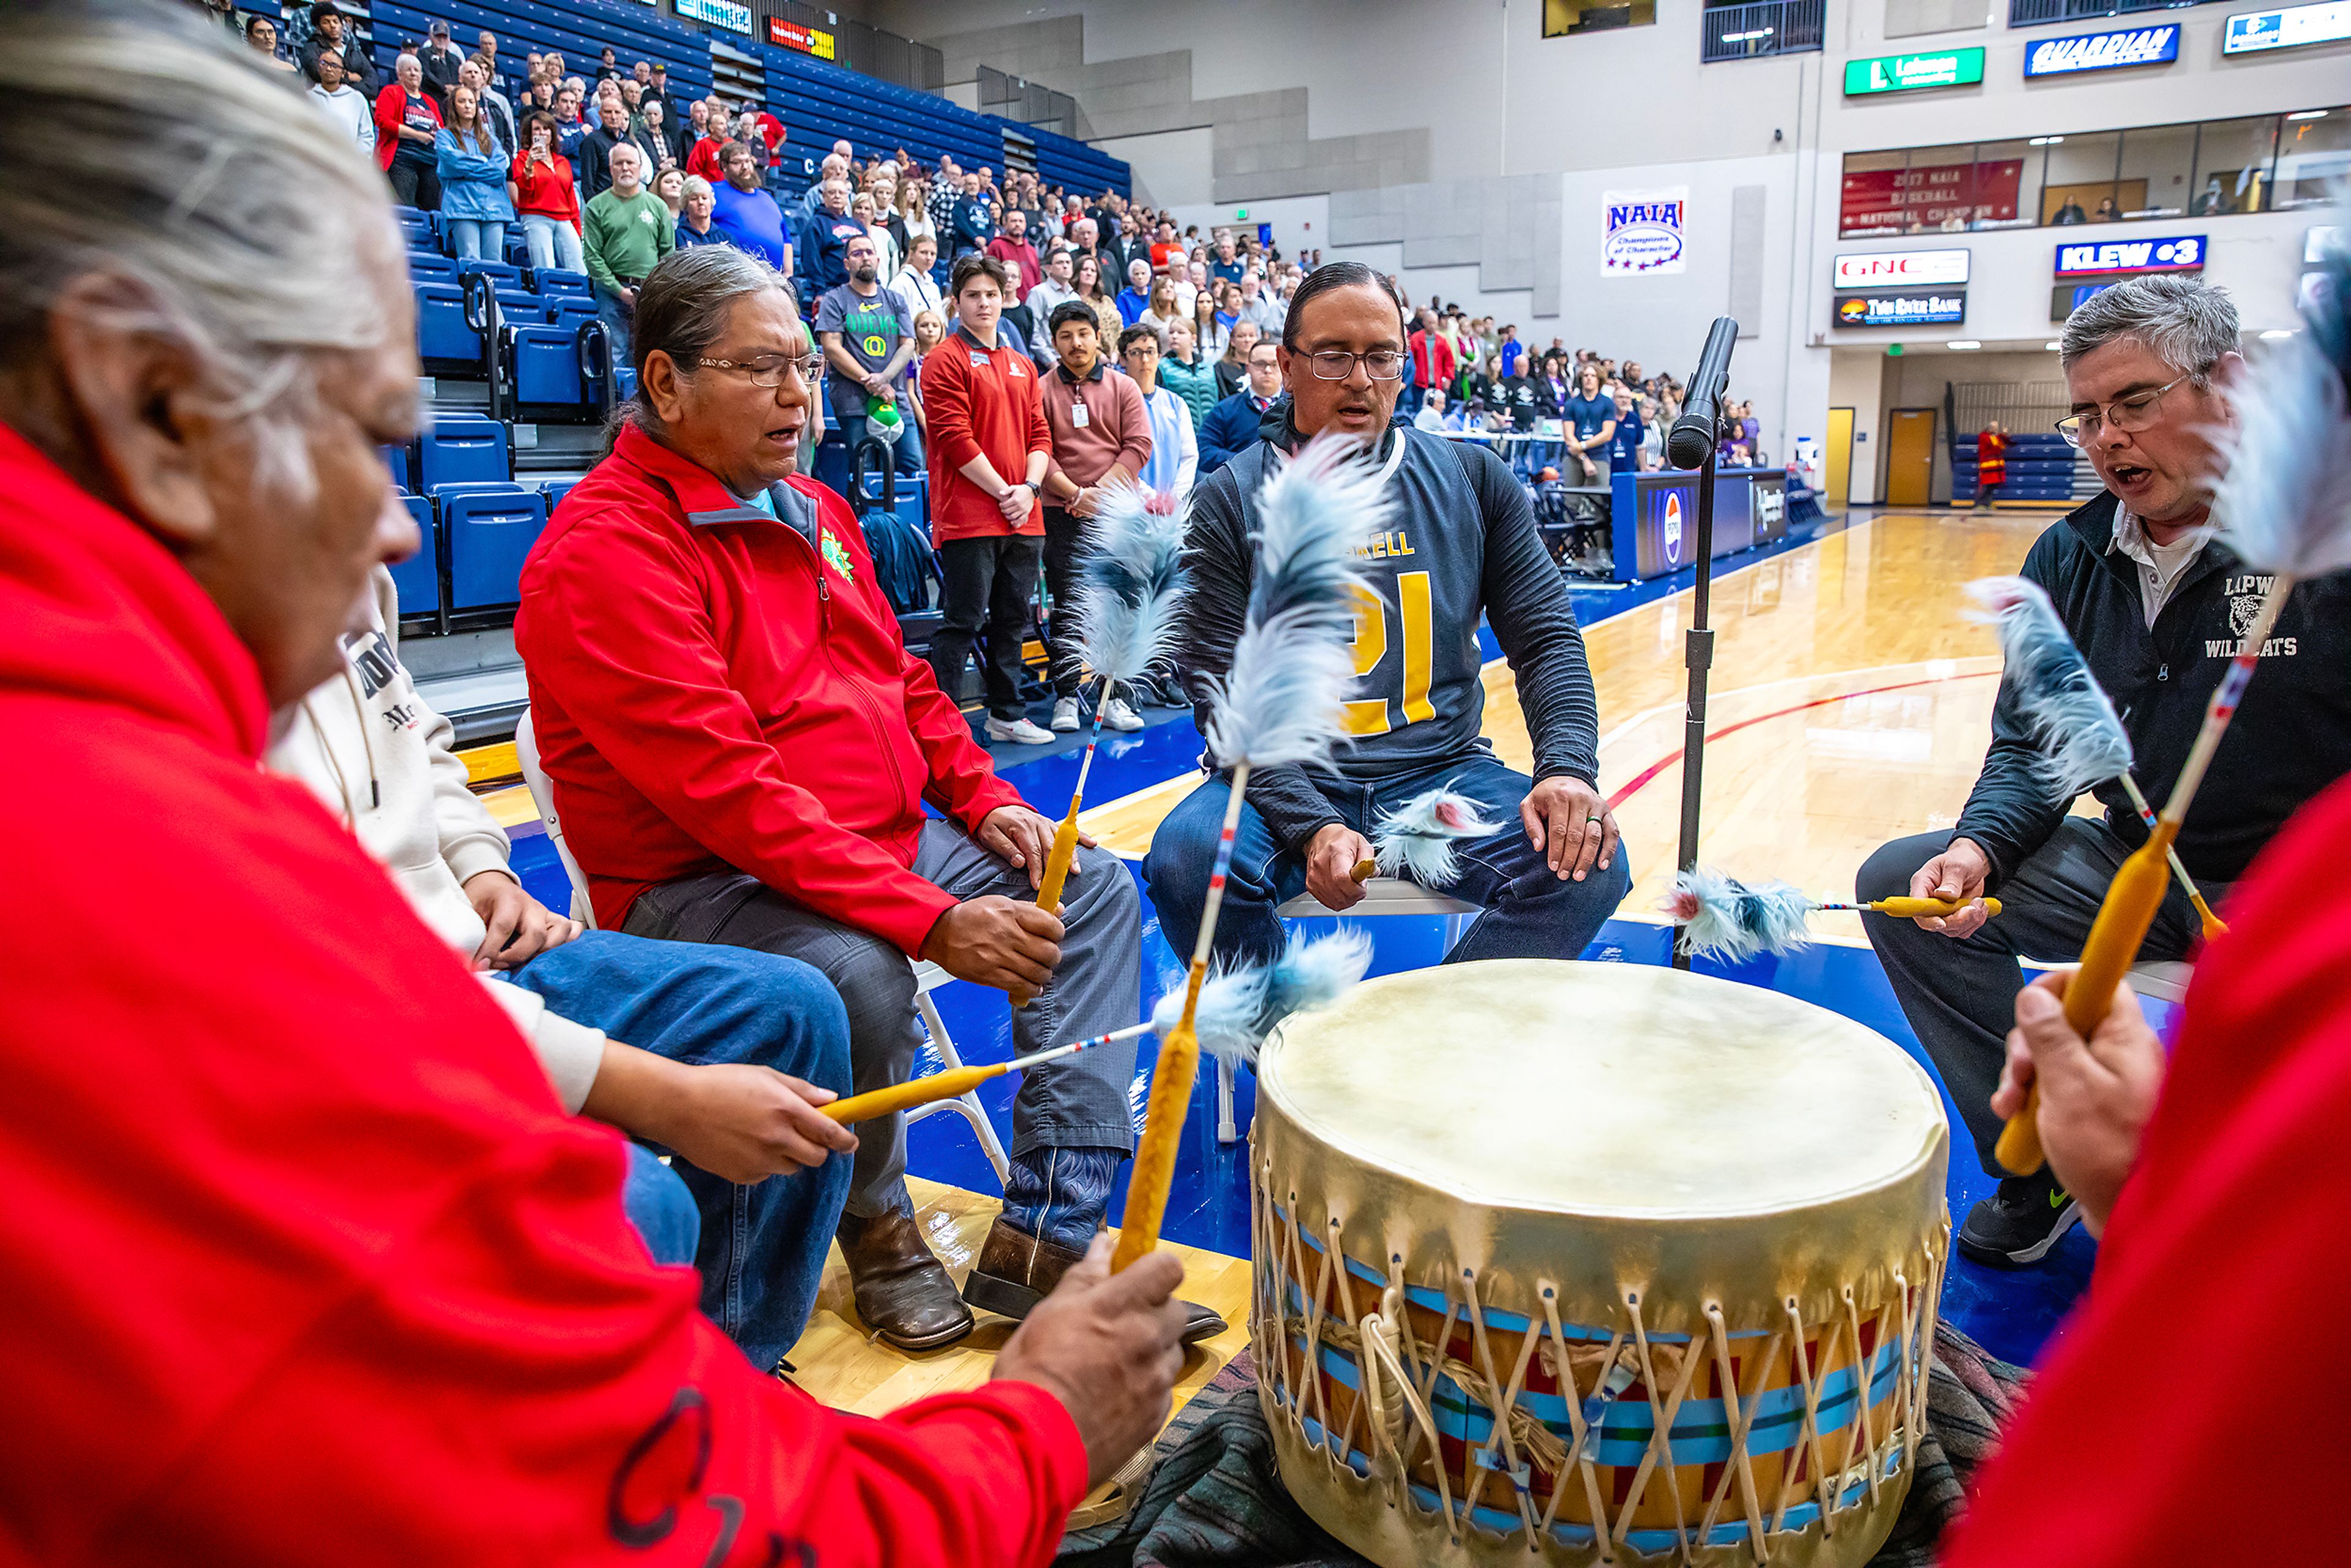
2158 610
1463 546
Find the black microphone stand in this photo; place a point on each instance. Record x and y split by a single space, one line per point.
1698 653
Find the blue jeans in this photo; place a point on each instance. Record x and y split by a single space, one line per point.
616 318
762 1247
553 243
660 1205
905 454
476 239
1528 913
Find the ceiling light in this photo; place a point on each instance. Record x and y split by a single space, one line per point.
2052 344
1964 343
2309 114
2044 140
2274 333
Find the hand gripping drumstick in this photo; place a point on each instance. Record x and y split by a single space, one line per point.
957 1081
1723 917
1279 704
2284 502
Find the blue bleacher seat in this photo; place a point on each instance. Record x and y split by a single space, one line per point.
570 310
489 529
396 459
441 330
461 447
518 306
555 280
431 266
506 276
418 578
545 365
555 490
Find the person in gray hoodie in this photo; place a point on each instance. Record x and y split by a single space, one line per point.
731 1050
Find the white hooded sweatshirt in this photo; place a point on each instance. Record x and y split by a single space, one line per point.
370 747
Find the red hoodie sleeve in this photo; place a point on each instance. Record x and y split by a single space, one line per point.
389 105
1135 426
946 403
646 680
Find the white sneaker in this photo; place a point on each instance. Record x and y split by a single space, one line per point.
1116 715
1017 732
1065 715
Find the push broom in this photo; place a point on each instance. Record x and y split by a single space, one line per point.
1279 704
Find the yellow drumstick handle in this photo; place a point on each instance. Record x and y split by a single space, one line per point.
1927 908
1056 863
2213 925
1163 1133
1362 870
914 1092
2115 937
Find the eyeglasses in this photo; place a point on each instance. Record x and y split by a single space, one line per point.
770 369
2126 415
1336 365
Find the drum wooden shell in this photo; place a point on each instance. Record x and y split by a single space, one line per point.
1513 1220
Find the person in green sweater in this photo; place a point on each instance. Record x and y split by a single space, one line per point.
1185 373
628 231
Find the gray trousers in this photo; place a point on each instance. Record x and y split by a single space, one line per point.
1079 1101
1960 996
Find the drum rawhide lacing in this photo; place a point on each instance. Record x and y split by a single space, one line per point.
1399 1381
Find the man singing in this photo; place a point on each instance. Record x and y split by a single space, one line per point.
1464 547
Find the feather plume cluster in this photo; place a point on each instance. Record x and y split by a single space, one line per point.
1131 583
2284 500
1279 702
1416 839
2081 738
1239 1007
1730 920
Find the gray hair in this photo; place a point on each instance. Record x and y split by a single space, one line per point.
681 308
2185 322
237 232
695 186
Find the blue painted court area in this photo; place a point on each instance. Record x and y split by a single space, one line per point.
2013 1314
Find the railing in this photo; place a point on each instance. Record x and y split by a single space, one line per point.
2041 13
1770 28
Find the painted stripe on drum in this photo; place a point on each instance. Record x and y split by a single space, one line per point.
1799 1516
1701 1434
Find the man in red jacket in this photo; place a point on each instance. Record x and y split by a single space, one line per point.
741 749
301 1258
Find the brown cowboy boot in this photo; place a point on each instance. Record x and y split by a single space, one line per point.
901 1289
1017 1270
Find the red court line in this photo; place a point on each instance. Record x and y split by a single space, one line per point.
1641 780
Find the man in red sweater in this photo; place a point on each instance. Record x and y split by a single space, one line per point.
301 1258
989 447
742 747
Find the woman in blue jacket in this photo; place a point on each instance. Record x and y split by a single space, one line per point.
474 205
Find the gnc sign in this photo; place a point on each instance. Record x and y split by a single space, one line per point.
1903 270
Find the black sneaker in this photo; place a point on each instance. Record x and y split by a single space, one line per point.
2018 1224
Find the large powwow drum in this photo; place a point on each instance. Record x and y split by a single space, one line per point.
1579 1263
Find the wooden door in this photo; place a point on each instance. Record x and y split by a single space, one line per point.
1836 476
1911 458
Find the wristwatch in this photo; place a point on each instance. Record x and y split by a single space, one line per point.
1034 488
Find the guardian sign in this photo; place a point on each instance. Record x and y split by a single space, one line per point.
2156 46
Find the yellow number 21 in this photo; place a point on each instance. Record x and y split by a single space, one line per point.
1370 715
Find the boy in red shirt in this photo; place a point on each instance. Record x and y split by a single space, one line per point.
988 449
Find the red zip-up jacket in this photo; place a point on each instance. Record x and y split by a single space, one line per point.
301 1263
545 188
2202 1369
980 402
390 109
711 690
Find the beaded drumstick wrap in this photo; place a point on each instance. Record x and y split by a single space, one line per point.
1450 1378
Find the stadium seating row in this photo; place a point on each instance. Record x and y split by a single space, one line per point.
820 103
580 30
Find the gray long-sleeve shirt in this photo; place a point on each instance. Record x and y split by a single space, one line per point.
1463 543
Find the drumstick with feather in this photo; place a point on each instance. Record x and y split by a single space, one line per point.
1733 921
2081 739
1238 1010
1278 703
2282 503
1130 584
1416 839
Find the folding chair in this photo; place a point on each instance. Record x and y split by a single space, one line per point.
928 976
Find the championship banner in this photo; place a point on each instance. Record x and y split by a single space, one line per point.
1643 231
1911 201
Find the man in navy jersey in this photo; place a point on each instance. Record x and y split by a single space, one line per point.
1463 547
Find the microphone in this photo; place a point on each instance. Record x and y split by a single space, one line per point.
1693 434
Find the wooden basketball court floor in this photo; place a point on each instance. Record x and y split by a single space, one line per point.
1851 704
